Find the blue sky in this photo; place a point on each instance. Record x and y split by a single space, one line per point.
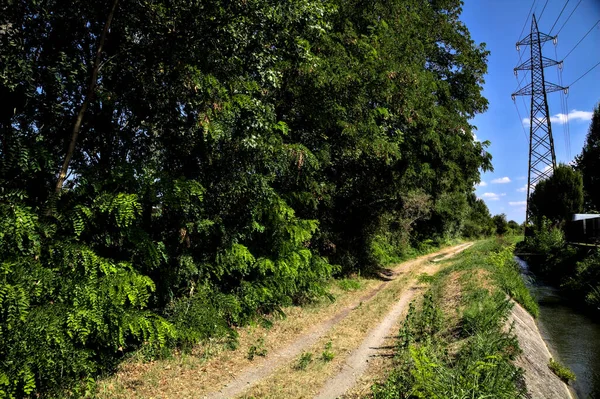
498 24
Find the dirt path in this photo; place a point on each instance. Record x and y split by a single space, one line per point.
357 362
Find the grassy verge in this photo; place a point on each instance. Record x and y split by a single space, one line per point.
455 343
215 361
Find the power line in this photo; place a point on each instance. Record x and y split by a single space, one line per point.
523 29
569 17
566 96
564 107
579 78
521 56
542 13
557 18
588 32
527 19
521 121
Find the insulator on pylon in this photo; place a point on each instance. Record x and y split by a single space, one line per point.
560 65
555 40
518 47
513 97
516 72
566 90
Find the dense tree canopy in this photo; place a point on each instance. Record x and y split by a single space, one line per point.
558 197
222 159
588 163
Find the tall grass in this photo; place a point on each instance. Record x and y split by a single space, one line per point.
440 356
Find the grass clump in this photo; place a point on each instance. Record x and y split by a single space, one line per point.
508 277
562 371
304 360
258 349
349 284
327 354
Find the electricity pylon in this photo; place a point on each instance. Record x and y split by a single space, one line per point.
542 159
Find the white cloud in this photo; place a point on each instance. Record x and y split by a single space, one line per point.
561 119
517 203
501 180
492 196
522 189
481 184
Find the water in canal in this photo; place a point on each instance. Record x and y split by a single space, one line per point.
572 335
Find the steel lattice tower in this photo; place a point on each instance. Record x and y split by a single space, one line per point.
542 159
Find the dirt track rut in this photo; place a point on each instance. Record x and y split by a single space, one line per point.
357 362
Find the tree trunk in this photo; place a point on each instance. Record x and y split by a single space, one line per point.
86 101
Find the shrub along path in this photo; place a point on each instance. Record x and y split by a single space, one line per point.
326 334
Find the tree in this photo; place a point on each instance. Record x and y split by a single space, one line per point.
557 197
479 222
501 224
588 163
217 161
514 227
385 113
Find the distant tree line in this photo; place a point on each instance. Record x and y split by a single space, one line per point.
571 189
169 169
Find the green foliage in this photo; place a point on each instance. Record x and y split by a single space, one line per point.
562 371
434 362
508 277
485 312
500 224
588 163
327 354
232 157
575 269
557 197
258 349
585 279
479 222
349 284
304 360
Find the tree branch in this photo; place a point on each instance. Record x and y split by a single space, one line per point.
86 101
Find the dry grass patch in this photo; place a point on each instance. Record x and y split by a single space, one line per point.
451 296
211 365
345 337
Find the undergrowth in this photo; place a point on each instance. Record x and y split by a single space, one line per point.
563 372
439 356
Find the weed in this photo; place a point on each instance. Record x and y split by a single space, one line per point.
327 354
349 284
425 278
430 363
304 360
562 371
257 349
